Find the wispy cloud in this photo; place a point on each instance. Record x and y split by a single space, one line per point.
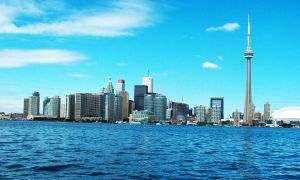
221 58
121 64
210 65
226 27
78 75
118 18
11 58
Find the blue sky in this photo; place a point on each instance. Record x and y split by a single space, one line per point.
194 49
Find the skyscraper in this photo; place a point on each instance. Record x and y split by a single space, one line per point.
160 107
46 104
200 112
51 107
267 111
118 107
87 105
62 111
70 107
139 92
149 102
109 107
218 103
148 81
25 107
109 88
34 104
248 112
125 106
120 86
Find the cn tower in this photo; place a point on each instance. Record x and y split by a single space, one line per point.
248 111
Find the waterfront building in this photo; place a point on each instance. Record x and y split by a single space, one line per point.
149 102
267 111
215 114
200 112
139 92
248 112
142 117
148 81
219 102
120 86
131 106
109 107
51 107
288 115
160 107
62 111
46 104
118 108
125 106
54 110
34 104
87 106
257 116
70 107
236 117
169 114
25 107
180 111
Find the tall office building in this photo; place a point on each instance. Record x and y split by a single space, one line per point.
46 104
215 114
25 107
149 102
34 104
248 113
180 110
267 111
109 107
62 111
131 106
51 107
160 107
87 105
125 106
237 117
118 108
148 81
70 107
219 102
139 92
120 86
55 106
200 112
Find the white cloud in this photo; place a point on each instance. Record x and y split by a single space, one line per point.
225 27
11 58
221 58
118 19
78 75
121 64
209 65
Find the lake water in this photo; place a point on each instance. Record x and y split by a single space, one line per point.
45 150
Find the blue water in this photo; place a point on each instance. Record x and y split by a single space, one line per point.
45 150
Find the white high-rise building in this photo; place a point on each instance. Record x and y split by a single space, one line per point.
148 81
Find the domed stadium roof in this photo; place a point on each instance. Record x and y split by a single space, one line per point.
287 114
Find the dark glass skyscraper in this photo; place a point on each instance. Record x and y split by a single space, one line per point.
139 93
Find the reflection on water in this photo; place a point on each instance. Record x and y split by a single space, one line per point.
38 150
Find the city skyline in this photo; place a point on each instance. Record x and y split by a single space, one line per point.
202 54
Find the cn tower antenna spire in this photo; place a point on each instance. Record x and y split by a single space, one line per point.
249 35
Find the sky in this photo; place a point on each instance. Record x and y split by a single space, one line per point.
194 49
